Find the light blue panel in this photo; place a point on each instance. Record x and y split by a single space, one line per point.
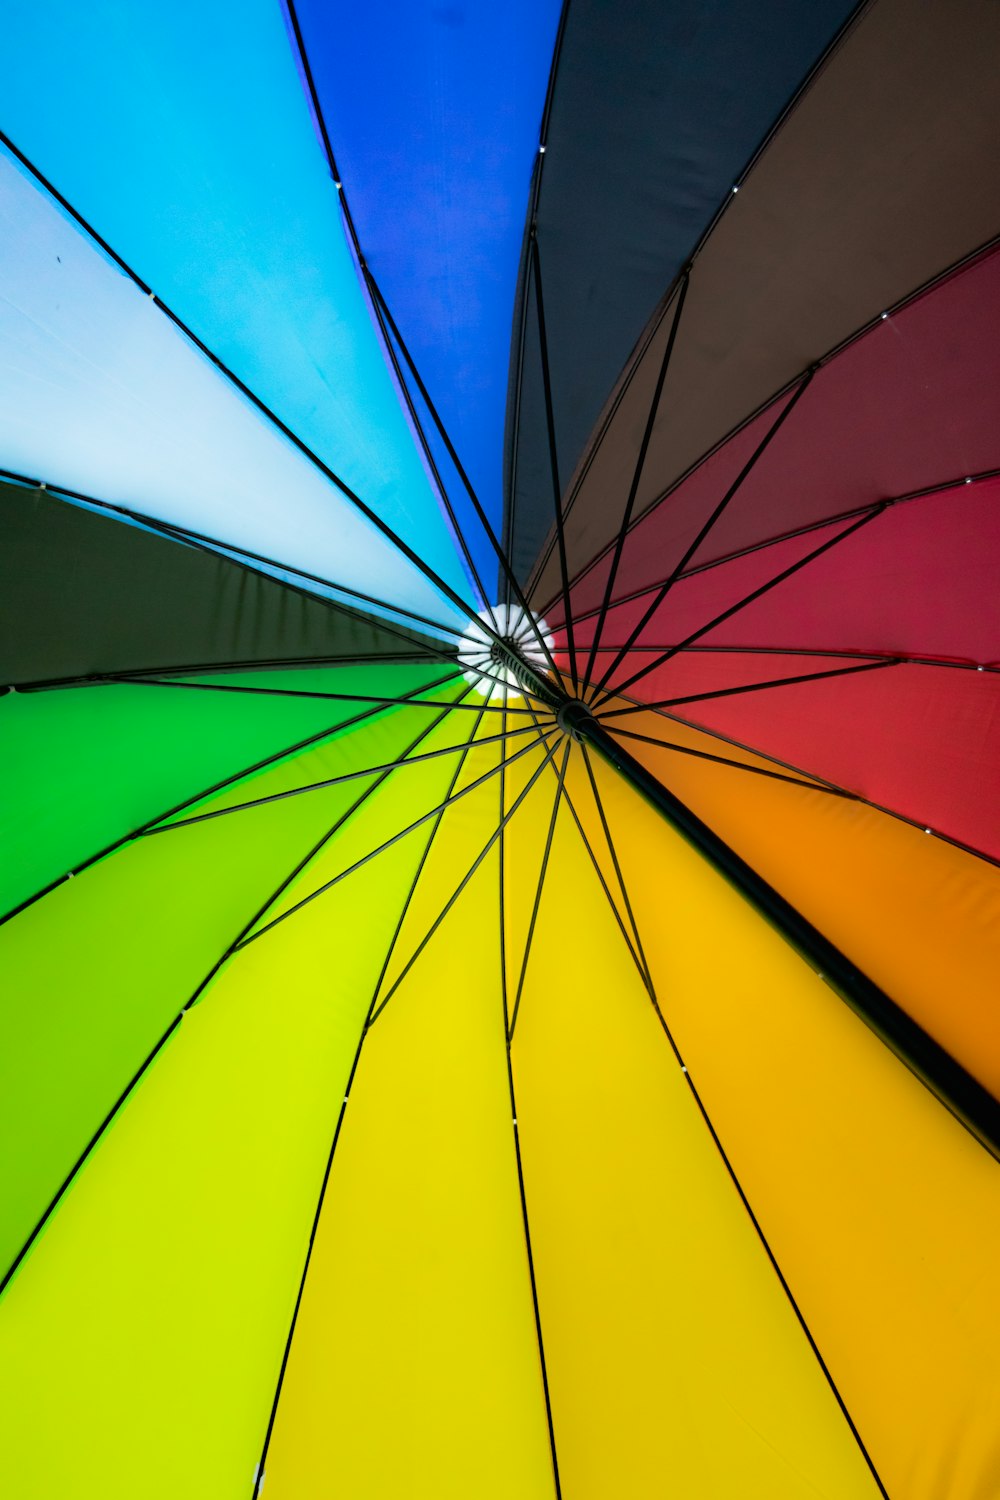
180 132
100 393
434 109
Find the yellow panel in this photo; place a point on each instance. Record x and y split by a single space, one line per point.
404 795
140 1343
676 1364
883 1213
415 1372
913 912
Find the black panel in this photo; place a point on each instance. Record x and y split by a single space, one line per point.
82 593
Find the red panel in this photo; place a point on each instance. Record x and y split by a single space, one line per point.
923 741
691 673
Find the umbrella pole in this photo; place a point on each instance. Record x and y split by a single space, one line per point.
956 1088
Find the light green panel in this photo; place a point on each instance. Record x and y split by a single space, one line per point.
82 767
93 974
141 1341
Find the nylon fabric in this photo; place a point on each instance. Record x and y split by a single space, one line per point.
101 394
675 1361
82 593
418 1294
434 112
188 1227
83 767
181 133
910 910
872 187
875 1201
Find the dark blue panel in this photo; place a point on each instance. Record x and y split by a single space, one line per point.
657 107
433 108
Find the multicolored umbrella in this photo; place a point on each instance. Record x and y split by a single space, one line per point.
500 543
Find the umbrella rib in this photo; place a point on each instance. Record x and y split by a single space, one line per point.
286 1353
604 885
225 687
756 687
315 786
509 574
887 502
440 584
494 836
376 302
390 330
216 548
719 619
692 548
380 849
550 424
517 1135
737 765
815 782
599 804
699 1102
219 786
150 1058
790 385
543 870
726 203
853 654
637 472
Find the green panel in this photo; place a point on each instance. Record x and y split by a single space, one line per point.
83 593
141 1341
94 973
82 767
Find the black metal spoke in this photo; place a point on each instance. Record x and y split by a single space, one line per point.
510 577
692 548
564 791
757 593
494 836
640 464
380 701
460 749
237 776
737 765
543 870
231 553
550 423
517 1131
286 1354
702 1110
752 687
387 844
151 1057
440 584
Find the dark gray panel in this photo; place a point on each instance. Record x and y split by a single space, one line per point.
82 593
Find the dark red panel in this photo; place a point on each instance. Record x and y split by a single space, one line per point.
912 404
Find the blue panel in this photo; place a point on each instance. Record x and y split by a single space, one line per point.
434 108
180 131
99 392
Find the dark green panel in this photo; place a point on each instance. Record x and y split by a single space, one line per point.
85 594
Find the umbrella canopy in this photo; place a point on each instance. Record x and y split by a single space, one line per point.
500 910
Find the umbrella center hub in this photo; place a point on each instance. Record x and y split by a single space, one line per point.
494 653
